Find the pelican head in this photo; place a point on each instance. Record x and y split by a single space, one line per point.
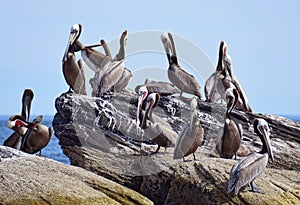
261 128
123 38
26 103
142 94
166 43
231 97
151 102
74 35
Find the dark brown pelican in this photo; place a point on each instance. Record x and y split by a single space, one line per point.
113 69
177 75
163 88
36 135
73 74
156 128
228 144
15 139
250 167
191 136
93 58
214 89
243 103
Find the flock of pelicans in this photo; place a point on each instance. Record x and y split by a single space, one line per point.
111 75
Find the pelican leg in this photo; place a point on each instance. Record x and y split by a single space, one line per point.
183 159
157 149
40 154
181 93
253 188
194 156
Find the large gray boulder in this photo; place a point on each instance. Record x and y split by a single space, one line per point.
101 135
29 179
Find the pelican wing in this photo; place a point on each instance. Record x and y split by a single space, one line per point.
246 170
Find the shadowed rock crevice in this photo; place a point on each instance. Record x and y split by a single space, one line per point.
101 136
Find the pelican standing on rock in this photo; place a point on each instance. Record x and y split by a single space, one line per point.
74 76
15 139
177 75
229 143
36 135
93 58
156 128
115 69
191 136
250 167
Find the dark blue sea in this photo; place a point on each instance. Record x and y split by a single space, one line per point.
53 150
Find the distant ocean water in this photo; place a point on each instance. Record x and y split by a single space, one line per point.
292 117
53 150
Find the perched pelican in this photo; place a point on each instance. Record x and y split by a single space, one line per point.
156 128
113 69
228 144
243 100
90 56
250 167
163 88
214 89
177 75
37 135
16 138
126 76
72 72
191 136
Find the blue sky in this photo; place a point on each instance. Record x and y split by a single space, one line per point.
262 38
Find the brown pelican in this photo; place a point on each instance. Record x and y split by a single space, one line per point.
90 56
243 100
15 139
177 75
191 136
250 167
72 72
37 135
113 69
126 76
228 144
214 89
156 128
163 88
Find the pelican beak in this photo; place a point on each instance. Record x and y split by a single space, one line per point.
166 42
71 40
92 46
138 109
147 111
267 142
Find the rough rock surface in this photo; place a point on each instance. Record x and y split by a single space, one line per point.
101 135
28 179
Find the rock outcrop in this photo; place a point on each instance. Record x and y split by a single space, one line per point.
101 135
28 179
